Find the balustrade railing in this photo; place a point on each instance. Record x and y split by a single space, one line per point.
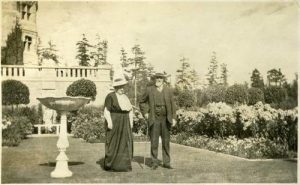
17 71
12 71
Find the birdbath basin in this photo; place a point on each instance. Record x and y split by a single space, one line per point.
63 105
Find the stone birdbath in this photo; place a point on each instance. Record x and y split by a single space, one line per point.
63 105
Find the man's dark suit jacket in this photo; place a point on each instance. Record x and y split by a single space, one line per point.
147 104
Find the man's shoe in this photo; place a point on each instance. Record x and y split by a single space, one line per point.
154 167
167 166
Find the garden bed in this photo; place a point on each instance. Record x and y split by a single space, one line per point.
250 148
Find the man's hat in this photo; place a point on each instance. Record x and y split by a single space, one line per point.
119 82
160 75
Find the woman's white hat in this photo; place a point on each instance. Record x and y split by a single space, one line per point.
119 82
119 78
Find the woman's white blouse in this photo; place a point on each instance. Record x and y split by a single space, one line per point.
124 102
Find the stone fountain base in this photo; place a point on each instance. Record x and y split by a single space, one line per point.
63 105
61 170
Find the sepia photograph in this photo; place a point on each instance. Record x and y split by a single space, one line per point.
163 91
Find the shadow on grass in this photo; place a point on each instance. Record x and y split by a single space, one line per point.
291 160
101 163
138 159
52 164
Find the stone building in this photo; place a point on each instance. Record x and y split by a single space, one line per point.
25 13
44 80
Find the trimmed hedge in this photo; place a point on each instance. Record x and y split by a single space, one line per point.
214 93
237 94
186 99
82 87
255 95
275 94
14 93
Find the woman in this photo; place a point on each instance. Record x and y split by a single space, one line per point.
119 120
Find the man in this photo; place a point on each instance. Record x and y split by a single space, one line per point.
158 107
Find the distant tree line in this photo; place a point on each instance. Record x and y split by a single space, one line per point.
190 92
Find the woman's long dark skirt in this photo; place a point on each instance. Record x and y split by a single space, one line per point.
119 144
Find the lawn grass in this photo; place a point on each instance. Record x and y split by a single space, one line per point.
34 159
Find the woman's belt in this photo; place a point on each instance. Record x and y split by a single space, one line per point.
120 112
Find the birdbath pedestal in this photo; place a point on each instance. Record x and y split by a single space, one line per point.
63 105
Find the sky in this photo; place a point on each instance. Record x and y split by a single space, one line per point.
244 34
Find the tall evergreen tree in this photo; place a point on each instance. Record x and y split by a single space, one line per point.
275 77
123 58
83 50
39 51
292 89
96 55
104 52
135 66
126 64
99 54
212 70
12 53
186 78
256 79
224 75
136 71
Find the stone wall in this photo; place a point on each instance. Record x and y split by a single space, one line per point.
54 81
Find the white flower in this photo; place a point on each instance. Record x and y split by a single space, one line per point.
221 111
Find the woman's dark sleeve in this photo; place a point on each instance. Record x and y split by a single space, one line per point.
108 102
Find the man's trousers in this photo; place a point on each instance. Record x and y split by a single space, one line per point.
159 128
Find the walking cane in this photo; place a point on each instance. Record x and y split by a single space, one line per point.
146 135
146 142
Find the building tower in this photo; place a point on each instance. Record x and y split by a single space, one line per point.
23 12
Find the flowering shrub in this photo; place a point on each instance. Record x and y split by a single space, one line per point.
247 115
214 121
139 123
247 148
219 120
88 124
32 113
260 120
17 124
187 120
14 129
